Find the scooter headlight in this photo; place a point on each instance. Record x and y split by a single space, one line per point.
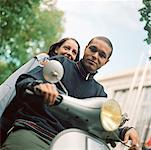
110 115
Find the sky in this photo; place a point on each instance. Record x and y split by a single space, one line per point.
116 19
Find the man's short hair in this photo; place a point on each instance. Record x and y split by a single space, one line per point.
106 40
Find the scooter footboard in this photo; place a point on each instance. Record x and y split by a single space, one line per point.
76 139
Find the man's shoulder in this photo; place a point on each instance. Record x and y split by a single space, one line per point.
100 87
98 84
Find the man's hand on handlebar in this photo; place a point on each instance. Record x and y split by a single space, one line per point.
133 136
48 91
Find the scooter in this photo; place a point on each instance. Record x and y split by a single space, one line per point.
94 121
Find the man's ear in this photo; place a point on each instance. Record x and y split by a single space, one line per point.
86 48
107 61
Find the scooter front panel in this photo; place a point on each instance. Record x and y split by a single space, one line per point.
75 139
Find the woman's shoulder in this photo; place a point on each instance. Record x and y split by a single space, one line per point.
62 59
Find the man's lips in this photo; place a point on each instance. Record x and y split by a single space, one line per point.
91 61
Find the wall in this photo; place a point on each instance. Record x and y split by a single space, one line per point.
132 89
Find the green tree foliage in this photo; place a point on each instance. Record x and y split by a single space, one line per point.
25 30
146 16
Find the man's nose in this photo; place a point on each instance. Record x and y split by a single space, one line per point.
95 55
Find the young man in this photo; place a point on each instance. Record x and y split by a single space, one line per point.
34 122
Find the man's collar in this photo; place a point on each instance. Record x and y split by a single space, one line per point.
82 70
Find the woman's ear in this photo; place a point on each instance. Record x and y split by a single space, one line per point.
56 50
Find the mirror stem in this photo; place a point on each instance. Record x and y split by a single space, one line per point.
63 87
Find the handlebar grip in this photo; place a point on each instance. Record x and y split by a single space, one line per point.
37 91
58 100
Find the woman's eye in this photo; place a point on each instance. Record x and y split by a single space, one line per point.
66 48
74 52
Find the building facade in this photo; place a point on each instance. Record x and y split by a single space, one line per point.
132 89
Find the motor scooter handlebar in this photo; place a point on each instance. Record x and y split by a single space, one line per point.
37 91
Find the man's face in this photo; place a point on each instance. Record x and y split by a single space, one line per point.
96 55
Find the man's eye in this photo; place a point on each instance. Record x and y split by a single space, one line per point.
93 49
102 54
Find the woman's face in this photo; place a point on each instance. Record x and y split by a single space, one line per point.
69 49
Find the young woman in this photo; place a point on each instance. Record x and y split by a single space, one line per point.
68 47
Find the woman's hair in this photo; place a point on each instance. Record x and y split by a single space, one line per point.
56 45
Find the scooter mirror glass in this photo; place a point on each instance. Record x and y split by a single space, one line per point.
53 71
111 115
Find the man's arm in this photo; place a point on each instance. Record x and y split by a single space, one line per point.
28 85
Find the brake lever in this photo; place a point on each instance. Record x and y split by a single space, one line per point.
30 89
